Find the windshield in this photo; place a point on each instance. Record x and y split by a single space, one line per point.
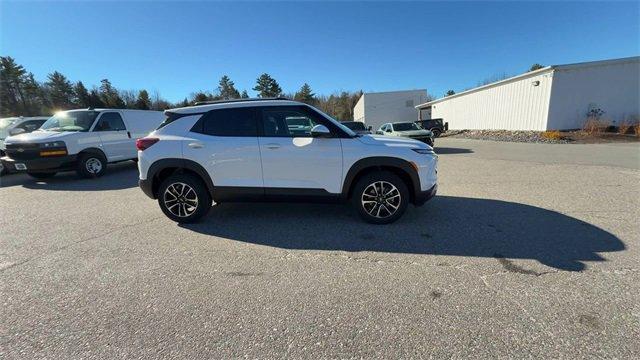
80 120
405 127
6 122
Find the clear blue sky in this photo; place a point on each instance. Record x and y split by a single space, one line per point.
178 48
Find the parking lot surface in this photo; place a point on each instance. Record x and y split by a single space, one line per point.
529 250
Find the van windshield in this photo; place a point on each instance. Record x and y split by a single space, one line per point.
77 120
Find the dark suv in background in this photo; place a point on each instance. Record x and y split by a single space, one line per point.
437 126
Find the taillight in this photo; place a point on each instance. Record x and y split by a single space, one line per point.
145 143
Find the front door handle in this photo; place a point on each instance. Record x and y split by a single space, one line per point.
196 145
273 146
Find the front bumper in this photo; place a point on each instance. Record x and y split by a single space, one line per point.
424 196
42 165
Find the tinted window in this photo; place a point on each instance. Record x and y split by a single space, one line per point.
405 126
284 122
110 121
228 122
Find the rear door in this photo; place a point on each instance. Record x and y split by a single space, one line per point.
292 160
116 140
225 143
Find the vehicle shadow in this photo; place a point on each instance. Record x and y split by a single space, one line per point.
449 150
445 226
118 176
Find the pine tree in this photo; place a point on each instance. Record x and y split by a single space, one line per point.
60 89
184 103
305 94
35 97
95 100
535 67
200 97
83 99
244 95
109 95
143 102
12 75
266 86
227 89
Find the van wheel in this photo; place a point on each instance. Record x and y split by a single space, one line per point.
37 175
184 198
91 165
380 197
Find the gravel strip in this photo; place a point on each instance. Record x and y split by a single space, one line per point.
504 135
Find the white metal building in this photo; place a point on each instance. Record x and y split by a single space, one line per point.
556 97
375 109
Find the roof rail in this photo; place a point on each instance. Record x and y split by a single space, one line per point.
237 100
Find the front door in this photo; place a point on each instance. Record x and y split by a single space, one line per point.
116 140
292 160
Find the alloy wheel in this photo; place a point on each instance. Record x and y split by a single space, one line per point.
180 199
381 199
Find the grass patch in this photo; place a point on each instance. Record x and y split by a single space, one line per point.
552 135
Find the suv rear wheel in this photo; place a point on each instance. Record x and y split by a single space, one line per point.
380 197
184 198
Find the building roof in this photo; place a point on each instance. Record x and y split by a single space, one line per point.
394 91
545 69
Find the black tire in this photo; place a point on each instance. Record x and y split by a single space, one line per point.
183 209
375 212
430 142
436 132
40 176
91 165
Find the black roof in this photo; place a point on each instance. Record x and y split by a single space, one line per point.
237 100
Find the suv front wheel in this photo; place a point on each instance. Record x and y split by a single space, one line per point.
380 197
184 198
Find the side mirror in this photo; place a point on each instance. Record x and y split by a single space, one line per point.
17 131
320 131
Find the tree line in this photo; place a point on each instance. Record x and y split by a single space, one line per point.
22 95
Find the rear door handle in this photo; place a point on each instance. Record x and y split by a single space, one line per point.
273 146
196 145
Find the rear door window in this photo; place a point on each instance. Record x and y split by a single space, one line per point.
239 122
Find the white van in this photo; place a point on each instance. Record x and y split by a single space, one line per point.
82 140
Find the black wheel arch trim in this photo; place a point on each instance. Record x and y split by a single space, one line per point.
380 162
93 150
186 164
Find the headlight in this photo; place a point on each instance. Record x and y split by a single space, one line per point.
423 151
54 144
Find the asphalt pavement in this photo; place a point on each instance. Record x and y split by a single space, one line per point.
529 250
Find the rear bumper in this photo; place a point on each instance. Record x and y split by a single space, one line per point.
424 196
43 165
147 187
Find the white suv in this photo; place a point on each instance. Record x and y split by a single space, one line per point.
277 149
